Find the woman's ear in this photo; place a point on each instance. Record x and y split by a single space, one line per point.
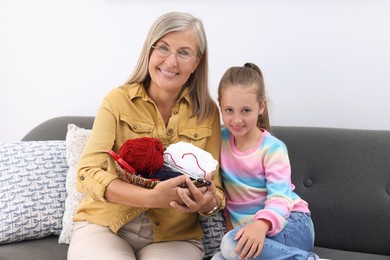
197 61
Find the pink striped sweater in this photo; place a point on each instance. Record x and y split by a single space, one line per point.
258 182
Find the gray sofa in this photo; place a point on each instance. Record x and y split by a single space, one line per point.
344 174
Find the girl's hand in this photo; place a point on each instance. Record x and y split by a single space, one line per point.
251 239
194 198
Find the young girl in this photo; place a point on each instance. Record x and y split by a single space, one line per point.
270 220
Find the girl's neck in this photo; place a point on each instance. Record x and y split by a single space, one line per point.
248 141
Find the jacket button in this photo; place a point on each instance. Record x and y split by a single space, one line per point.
196 135
82 178
157 223
170 131
134 127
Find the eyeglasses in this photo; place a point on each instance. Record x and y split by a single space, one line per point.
164 51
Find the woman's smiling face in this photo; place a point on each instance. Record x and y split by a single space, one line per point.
168 72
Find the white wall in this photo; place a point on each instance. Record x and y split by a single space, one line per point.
326 62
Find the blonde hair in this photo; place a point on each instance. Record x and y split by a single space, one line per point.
246 76
198 81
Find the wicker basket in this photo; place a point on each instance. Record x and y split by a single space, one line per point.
135 179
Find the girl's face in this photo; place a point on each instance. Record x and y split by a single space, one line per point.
240 110
173 59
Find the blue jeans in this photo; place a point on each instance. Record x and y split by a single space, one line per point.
295 241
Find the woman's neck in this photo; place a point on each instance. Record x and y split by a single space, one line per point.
164 102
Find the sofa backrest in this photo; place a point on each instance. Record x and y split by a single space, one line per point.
56 128
344 174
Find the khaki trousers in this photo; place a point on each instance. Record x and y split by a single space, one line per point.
133 242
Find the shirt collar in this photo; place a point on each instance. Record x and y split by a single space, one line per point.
137 90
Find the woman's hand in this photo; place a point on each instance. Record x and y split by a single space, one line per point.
160 196
251 239
196 198
166 191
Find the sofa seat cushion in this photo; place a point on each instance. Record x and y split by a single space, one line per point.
45 248
334 254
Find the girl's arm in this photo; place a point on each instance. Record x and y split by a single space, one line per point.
279 202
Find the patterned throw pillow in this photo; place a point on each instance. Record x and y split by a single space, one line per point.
214 228
32 189
76 138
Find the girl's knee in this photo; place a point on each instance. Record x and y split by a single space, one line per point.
227 246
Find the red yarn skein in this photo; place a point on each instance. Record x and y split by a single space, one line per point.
144 154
